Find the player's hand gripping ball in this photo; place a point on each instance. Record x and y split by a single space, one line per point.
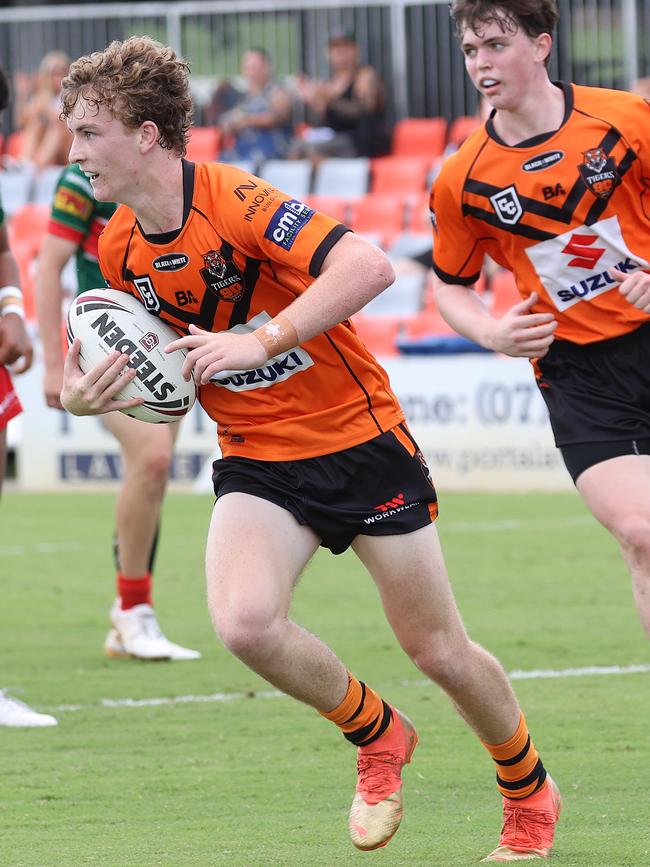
105 320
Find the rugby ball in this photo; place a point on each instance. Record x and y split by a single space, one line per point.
105 320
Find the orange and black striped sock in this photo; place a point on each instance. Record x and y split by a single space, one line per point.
520 772
363 716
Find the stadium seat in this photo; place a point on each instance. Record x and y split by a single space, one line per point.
380 214
27 228
409 244
16 187
333 206
203 145
504 293
45 183
461 127
419 136
427 323
342 177
378 333
14 144
403 298
418 219
291 176
396 174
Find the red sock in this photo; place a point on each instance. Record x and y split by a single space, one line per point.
134 591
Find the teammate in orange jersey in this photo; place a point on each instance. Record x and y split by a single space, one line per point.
554 187
315 449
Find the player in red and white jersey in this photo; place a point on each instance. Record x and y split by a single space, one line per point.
315 450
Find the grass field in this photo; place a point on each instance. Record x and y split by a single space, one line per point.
251 779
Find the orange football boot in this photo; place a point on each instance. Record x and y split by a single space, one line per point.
529 826
376 810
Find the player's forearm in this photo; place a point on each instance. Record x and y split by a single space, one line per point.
343 288
49 297
464 310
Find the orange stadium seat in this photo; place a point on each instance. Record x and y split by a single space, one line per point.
419 136
204 143
397 174
504 293
14 144
380 214
426 323
334 206
460 128
378 333
26 229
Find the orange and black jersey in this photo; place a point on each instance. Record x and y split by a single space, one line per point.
244 252
558 210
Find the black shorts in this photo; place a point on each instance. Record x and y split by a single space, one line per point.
598 397
379 488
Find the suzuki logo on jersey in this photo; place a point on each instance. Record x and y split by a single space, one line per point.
287 223
277 369
600 245
599 172
507 205
585 256
222 277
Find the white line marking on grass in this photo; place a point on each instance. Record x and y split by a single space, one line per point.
594 670
41 548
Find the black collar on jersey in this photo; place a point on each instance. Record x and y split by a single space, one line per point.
542 137
188 193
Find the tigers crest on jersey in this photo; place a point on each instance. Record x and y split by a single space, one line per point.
599 172
222 277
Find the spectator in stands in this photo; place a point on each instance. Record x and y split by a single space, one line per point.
224 98
347 113
16 350
261 123
45 138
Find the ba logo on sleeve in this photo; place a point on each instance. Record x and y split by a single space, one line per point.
507 205
287 223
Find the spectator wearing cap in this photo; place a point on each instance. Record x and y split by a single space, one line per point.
346 113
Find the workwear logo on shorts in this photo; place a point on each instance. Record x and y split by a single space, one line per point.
599 172
222 277
507 205
566 265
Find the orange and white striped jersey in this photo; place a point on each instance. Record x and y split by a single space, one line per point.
558 211
244 252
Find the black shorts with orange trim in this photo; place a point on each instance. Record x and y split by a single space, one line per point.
597 394
379 488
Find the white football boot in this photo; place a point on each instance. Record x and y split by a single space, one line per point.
137 635
19 715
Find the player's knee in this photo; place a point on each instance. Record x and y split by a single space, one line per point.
155 466
439 658
249 633
633 534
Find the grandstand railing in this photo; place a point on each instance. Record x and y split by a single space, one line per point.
410 42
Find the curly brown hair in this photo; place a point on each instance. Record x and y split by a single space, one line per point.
532 16
136 80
